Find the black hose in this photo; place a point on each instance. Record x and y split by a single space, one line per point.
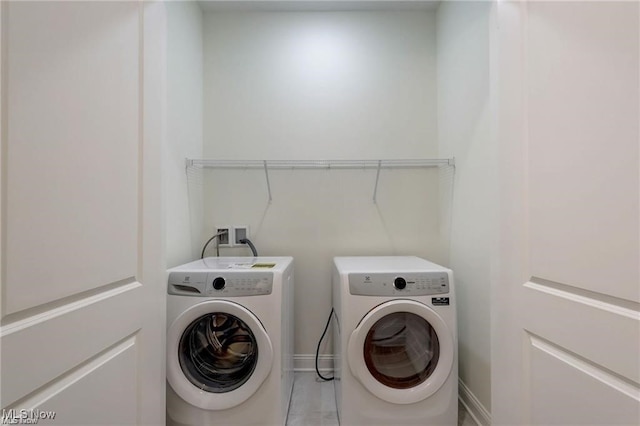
207 243
251 246
326 327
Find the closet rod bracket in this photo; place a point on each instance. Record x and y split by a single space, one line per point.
375 189
266 176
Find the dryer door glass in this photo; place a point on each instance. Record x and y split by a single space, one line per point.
401 350
218 352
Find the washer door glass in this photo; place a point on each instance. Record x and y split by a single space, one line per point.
401 350
218 352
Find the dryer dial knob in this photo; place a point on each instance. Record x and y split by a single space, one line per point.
219 283
400 283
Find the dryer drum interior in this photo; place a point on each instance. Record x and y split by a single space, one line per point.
401 350
218 352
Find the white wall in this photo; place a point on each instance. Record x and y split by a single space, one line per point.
313 85
183 194
320 85
464 132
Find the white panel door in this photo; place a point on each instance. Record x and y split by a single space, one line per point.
82 294
566 324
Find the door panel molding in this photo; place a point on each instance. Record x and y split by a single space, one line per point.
597 300
41 313
583 130
590 329
34 354
556 371
599 372
71 200
116 386
39 396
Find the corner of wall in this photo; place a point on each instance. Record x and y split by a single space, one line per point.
183 188
464 132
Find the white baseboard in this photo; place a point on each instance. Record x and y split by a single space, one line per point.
473 405
307 362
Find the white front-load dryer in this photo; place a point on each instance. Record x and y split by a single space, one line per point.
230 341
395 345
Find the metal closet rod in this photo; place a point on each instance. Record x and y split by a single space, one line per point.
321 164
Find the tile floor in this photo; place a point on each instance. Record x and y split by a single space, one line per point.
313 404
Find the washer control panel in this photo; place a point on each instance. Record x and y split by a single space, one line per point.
221 284
399 284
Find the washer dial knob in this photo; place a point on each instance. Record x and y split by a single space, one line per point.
219 283
400 283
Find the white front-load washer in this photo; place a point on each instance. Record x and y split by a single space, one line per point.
395 344
230 341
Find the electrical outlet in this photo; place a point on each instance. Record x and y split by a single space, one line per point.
240 232
225 240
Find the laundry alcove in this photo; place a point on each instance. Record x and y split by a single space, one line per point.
310 87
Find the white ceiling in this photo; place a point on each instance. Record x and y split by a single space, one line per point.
316 5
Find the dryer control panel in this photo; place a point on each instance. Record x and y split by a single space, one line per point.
221 284
399 284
